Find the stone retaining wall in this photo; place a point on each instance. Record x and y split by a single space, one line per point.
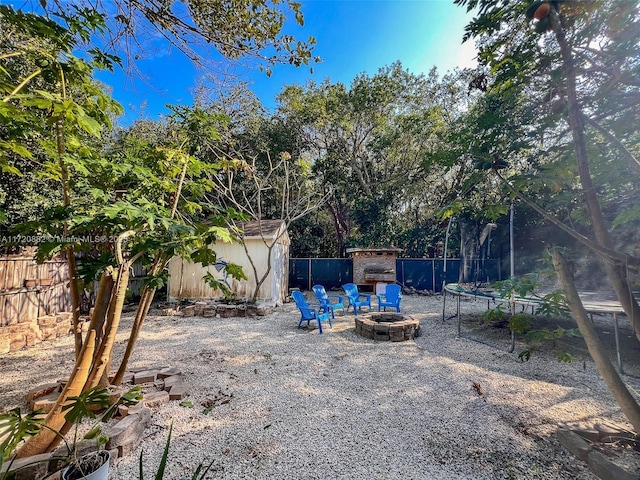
29 333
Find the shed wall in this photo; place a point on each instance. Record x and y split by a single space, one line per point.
185 277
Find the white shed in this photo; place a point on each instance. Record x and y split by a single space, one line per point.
185 277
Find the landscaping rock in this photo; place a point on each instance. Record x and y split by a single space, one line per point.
262 310
155 399
227 311
168 372
573 442
41 390
126 435
171 381
178 391
28 468
208 312
607 434
45 402
125 410
5 343
146 376
199 308
589 434
607 470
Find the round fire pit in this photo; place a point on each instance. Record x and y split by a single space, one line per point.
395 327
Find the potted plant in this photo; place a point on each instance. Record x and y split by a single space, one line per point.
94 465
15 427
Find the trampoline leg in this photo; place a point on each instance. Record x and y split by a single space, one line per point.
444 301
512 307
458 313
615 327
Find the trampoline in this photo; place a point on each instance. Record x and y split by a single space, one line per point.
593 303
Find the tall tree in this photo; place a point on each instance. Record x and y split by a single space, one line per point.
585 64
369 142
268 179
143 202
581 58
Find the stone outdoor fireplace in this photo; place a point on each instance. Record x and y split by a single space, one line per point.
384 326
374 268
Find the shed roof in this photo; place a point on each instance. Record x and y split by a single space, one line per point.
259 228
374 250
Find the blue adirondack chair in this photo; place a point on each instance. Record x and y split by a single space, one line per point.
356 299
307 313
390 298
328 303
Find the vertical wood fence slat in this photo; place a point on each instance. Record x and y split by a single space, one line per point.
20 303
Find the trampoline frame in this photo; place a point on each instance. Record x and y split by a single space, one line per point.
593 307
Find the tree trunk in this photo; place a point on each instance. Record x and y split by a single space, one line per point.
47 438
74 291
105 290
141 313
616 273
71 259
468 248
103 354
616 386
341 226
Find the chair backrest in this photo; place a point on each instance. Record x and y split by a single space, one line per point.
351 290
302 304
321 294
392 292
298 297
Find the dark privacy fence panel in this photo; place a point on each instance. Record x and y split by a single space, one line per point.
304 273
419 273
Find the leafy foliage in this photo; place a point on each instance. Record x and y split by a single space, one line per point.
200 473
539 336
520 322
15 427
201 30
520 286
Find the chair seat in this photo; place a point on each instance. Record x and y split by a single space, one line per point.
390 298
308 313
328 303
356 299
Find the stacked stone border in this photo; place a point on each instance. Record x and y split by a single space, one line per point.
159 385
383 326
219 310
579 442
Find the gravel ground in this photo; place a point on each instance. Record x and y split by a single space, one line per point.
292 404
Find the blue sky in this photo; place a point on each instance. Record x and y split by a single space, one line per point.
353 36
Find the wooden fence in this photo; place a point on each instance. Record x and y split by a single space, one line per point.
29 290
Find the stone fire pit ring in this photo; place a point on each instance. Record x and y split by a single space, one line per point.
385 326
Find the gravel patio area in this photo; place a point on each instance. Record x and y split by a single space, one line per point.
287 403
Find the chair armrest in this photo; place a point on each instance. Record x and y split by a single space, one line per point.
338 298
365 295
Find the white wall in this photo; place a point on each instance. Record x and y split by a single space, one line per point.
185 277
